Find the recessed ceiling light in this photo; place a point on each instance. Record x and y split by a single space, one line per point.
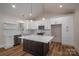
60 6
13 6
43 18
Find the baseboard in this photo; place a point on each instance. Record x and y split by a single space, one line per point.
1 46
64 44
77 49
6 46
68 45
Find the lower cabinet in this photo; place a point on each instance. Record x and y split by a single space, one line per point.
35 48
17 40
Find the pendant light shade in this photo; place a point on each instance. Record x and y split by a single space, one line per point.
43 18
43 12
30 14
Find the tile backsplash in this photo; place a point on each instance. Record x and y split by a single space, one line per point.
35 31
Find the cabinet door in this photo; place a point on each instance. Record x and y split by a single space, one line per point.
35 48
39 48
17 40
8 39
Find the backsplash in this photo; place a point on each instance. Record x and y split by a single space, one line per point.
35 31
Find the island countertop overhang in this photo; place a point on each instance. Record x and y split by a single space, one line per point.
38 38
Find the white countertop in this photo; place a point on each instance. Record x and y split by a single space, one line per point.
38 38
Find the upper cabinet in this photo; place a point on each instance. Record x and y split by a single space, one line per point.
35 24
57 20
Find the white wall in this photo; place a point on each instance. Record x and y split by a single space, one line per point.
67 29
67 26
76 29
1 33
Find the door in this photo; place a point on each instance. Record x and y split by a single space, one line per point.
56 31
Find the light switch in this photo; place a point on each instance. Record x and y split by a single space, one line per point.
67 28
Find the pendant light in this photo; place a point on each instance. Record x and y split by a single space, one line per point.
30 14
43 12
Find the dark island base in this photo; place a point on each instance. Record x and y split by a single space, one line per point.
35 48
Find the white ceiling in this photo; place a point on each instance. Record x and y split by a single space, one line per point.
37 9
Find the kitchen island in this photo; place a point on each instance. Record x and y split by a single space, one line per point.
36 44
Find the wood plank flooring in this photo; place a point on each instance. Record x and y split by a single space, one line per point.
62 50
14 51
56 49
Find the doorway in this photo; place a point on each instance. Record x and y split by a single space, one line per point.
56 30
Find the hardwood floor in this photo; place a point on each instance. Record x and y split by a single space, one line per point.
56 49
62 50
14 51
69 51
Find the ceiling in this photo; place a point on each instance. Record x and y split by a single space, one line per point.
22 10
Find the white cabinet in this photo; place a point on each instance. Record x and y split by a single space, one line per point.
35 24
9 31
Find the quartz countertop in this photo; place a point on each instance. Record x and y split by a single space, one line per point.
38 38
